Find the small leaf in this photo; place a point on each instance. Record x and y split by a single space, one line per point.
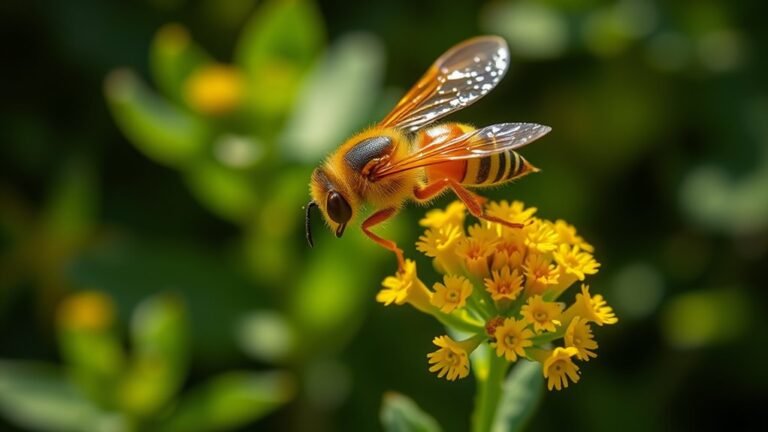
173 58
401 414
522 392
278 46
231 400
230 194
37 396
156 127
159 341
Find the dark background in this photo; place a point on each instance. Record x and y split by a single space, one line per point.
659 155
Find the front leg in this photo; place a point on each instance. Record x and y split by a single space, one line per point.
375 219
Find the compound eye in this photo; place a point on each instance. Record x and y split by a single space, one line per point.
338 208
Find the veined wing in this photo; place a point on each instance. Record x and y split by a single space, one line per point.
478 143
458 78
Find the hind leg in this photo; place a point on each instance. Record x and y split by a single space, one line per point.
473 202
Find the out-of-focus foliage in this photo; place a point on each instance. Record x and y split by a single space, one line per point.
103 387
164 146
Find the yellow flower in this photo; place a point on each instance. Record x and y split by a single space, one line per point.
454 214
439 243
540 273
453 294
568 235
519 269
558 368
87 310
579 336
215 89
541 236
515 212
483 233
509 252
475 255
575 263
542 314
512 338
452 359
591 308
405 287
504 284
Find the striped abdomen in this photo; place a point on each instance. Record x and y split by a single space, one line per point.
482 171
496 169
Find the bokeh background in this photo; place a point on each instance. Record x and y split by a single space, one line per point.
154 158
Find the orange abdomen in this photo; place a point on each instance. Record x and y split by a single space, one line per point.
454 169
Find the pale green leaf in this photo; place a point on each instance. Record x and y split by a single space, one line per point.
231 400
337 98
159 129
401 414
38 397
521 393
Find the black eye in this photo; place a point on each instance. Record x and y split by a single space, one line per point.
338 208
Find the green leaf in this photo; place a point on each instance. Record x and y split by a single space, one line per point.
37 396
95 361
159 342
266 335
230 194
350 76
278 46
156 127
401 414
522 391
230 401
173 57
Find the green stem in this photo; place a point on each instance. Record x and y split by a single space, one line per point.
460 323
489 393
484 300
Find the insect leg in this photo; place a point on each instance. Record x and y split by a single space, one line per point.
473 202
375 219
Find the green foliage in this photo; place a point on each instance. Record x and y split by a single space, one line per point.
174 56
350 75
230 400
401 414
278 46
161 130
39 396
100 386
522 392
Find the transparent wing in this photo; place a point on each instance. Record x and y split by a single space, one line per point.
478 143
458 78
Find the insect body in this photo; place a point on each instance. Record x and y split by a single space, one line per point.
406 156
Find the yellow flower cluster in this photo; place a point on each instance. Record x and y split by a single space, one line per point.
505 287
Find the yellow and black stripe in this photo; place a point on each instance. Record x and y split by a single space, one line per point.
495 169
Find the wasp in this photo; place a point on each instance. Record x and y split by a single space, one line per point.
408 156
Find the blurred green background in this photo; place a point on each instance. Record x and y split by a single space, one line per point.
154 161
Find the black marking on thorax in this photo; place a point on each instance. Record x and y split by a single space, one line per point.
367 150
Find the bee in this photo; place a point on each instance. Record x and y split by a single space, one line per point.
407 156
